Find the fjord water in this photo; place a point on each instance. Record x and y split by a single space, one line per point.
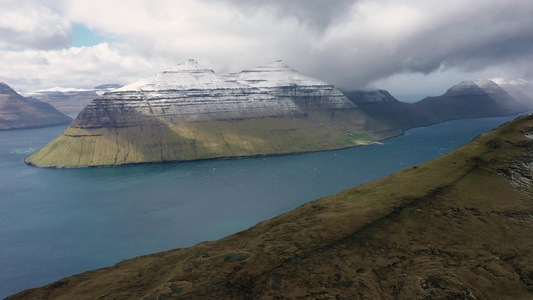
59 222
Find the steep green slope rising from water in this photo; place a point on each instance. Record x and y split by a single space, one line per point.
457 227
160 141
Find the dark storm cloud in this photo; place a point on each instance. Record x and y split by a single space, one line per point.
349 43
466 37
492 36
318 14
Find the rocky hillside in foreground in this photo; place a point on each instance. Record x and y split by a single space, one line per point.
457 227
189 113
17 112
468 99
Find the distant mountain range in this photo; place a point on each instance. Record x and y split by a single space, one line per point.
468 99
457 227
71 100
17 112
189 112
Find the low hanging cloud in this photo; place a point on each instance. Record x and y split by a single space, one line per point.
316 14
350 43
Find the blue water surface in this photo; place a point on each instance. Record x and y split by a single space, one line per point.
59 222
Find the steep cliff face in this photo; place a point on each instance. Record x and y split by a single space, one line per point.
457 227
17 112
188 112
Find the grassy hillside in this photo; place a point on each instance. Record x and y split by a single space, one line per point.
457 227
160 140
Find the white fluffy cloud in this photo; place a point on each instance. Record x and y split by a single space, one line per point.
73 67
350 43
24 24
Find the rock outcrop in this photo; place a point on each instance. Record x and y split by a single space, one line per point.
17 112
457 227
188 112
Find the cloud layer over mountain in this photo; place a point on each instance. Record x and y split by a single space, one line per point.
404 45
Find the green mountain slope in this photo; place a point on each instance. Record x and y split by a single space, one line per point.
160 141
17 112
457 227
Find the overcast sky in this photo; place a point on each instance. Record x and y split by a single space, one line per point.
409 47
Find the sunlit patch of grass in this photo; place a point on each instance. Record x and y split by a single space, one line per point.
166 140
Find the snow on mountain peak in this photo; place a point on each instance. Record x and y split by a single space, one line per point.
275 74
183 76
188 66
276 79
4 88
464 84
485 83
276 66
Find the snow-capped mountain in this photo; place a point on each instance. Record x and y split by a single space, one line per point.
189 112
71 100
284 82
468 99
187 92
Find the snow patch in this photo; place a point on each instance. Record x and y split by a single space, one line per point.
184 76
